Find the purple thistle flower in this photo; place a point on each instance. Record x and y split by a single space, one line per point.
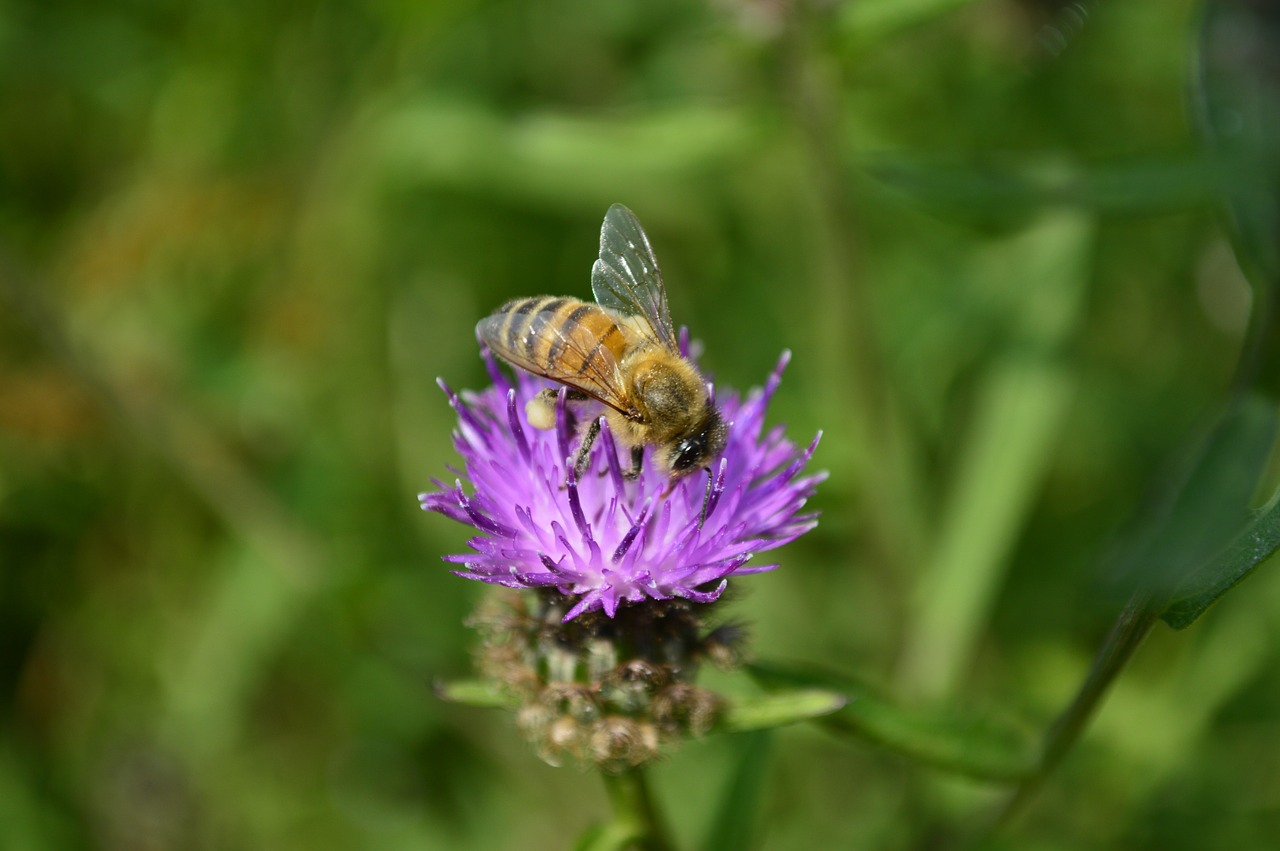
605 540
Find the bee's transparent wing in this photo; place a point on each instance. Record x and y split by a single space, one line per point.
627 279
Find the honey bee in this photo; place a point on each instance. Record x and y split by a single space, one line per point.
622 351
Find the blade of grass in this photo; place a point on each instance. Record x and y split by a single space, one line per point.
967 744
1019 412
736 822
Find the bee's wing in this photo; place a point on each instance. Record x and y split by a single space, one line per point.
627 279
541 347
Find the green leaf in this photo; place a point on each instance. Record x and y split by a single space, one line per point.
613 836
1206 506
767 711
1239 116
867 22
736 821
476 693
967 744
1011 190
550 157
1258 542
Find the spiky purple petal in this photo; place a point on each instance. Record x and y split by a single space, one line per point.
605 540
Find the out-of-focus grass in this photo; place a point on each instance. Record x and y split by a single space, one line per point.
240 241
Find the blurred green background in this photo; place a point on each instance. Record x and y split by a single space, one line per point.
239 241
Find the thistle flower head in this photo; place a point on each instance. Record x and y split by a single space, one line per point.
601 640
603 540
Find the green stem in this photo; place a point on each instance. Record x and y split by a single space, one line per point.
635 810
1130 629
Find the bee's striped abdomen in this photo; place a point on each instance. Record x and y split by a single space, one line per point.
525 319
556 336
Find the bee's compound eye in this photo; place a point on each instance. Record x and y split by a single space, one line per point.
687 454
695 450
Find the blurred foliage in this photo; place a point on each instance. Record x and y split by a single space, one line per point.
239 241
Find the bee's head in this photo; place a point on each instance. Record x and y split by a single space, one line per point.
699 447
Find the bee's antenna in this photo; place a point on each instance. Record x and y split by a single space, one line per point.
715 487
706 498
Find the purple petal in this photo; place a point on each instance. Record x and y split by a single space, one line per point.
647 538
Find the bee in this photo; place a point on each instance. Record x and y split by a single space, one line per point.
621 351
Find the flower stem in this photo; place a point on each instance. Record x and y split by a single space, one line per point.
1126 636
634 807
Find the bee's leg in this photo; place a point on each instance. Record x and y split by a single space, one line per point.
637 461
584 448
